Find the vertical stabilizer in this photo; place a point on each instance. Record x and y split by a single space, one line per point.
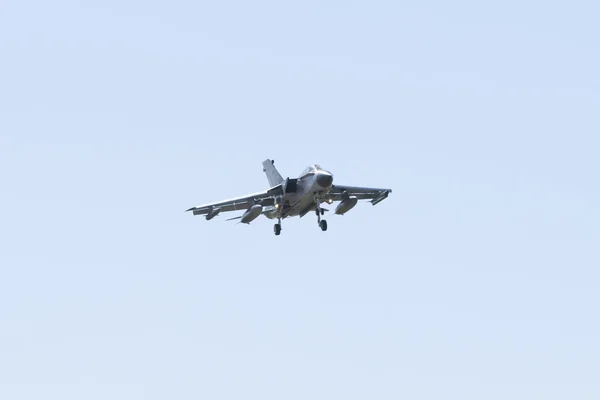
272 175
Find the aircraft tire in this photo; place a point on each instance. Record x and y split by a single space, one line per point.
323 225
277 229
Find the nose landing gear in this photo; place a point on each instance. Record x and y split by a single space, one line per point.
322 223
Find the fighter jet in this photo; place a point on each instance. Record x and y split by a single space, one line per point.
294 197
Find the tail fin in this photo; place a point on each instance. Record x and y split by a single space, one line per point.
272 175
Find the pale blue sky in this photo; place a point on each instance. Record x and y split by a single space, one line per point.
477 279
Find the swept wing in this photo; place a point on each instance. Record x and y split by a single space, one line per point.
266 198
376 195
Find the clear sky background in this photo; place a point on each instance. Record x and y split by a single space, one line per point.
477 279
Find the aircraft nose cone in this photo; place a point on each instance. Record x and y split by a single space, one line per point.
325 180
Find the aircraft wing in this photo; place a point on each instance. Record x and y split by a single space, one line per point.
376 195
266 198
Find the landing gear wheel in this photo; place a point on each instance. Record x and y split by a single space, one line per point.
277 229
323 225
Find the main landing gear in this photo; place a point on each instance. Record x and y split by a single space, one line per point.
322 223
277 227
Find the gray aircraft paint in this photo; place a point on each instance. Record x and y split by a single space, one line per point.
313 187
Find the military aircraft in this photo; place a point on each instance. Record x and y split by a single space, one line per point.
294 197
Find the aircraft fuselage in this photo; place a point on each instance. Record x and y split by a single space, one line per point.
293 197
311 186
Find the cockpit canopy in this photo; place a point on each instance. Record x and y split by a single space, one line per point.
312 170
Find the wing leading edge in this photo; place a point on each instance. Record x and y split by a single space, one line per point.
266 198
376 195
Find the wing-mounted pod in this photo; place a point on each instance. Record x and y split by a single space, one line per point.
251 214
381 197
348 202
213 213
